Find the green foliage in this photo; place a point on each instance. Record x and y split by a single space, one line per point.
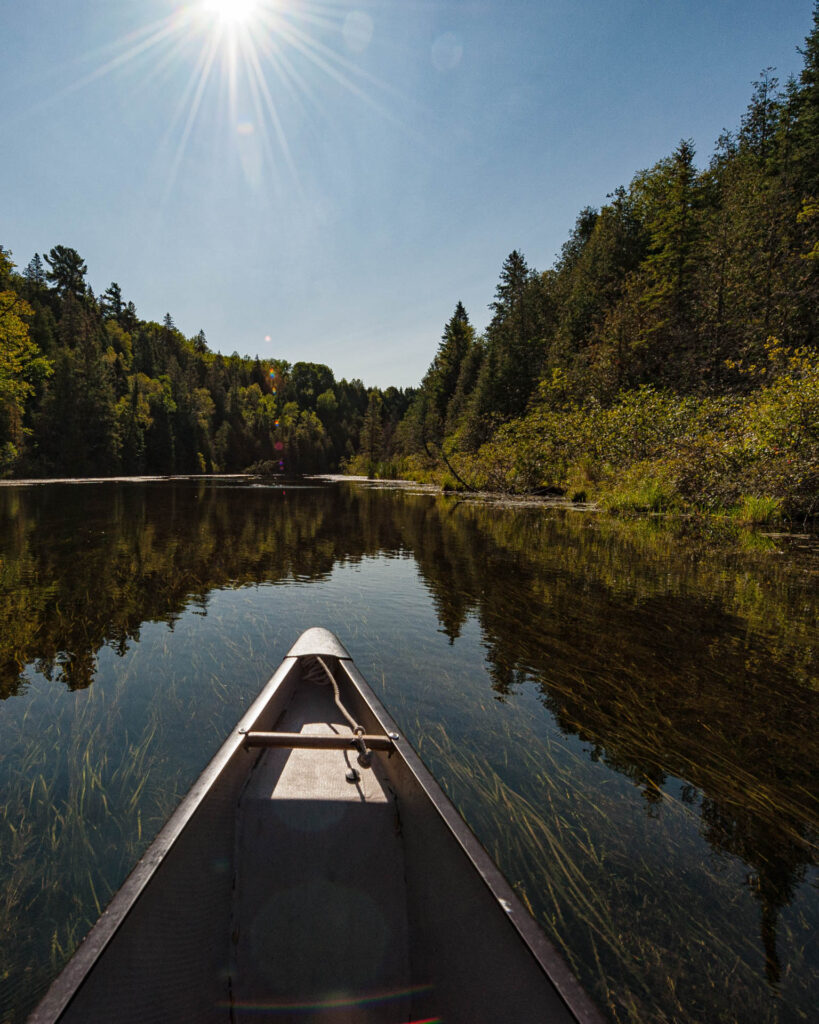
87 388
67 272
656 451
758 510
22 368
641 491
372 433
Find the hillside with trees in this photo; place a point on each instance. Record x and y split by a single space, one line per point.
670 356
89 389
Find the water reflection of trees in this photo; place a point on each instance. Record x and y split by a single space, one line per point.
692 666
668 659
85 567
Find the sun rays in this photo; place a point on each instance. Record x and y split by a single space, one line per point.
249 68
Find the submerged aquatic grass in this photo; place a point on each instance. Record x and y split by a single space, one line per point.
570 875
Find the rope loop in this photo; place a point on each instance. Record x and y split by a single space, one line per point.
365 755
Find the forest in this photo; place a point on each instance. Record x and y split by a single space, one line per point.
668 360
89 389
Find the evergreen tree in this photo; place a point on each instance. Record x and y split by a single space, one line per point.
572 249
605 248
133 418
514 344
129 317
441 378
35 271
160 443
759 123
111 301
466 384
67 272
807 136
670 268
372 432
671 261
78 424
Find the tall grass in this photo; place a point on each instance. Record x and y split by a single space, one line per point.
758 510
563 848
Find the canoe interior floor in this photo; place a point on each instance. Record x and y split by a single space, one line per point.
319 925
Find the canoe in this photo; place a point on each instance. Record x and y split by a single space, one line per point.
316 872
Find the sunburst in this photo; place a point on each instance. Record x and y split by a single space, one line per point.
265 53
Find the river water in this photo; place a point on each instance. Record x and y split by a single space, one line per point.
626 713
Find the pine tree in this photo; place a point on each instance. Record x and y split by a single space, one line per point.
465 386
133 417
441 379
758 132
67 272
605 248
129 317
747 216
515 348
807 136
674 232
372 432
111 301
35 271
670 269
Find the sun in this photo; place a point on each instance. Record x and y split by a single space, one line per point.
261 56
232 12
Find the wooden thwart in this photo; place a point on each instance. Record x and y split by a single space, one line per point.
322 742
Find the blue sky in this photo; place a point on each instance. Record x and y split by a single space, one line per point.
371 164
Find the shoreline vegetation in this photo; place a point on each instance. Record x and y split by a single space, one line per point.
753 456
667 362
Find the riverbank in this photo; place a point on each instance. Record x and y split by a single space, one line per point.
32 481
752 455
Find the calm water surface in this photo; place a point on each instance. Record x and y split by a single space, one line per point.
627 715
